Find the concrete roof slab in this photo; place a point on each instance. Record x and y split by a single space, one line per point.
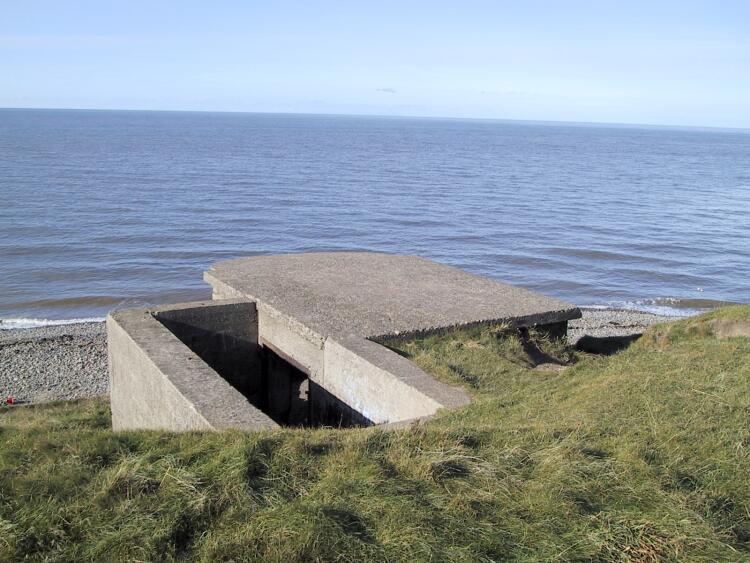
375 295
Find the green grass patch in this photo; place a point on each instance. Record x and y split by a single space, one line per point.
640 456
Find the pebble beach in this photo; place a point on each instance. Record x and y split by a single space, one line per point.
65 362
53 363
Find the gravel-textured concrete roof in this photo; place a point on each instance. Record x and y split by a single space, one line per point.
372 294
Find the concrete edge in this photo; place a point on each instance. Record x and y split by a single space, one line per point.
192 305
216 401
540 319
310 335
220 290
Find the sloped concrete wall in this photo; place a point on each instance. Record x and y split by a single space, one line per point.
381 385
142 395
157 382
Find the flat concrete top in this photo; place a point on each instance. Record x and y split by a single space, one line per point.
372 294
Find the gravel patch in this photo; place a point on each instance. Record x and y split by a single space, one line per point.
612 322
53 363
70 361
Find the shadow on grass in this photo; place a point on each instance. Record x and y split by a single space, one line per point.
351 523
605 345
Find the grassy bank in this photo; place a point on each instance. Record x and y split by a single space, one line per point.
644 456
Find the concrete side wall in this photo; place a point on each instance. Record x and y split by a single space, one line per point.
141 396
381 385
156 382
224 334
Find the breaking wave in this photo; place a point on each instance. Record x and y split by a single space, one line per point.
12 324
665 306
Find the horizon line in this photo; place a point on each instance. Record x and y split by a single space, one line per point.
622 124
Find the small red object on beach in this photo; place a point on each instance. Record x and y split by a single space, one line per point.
10 400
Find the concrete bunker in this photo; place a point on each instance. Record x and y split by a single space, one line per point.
293 340
226 364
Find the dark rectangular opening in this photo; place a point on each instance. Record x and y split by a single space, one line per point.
290 398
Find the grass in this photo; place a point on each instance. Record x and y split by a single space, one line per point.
640 456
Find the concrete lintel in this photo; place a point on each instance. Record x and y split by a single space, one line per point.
296 343
195 308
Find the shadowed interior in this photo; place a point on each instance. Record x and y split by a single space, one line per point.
227 341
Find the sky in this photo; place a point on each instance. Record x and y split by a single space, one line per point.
649 62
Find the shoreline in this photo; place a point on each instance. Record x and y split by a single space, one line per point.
69 361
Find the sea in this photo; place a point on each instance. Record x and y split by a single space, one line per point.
101 210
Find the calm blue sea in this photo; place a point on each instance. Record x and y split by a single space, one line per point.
105 209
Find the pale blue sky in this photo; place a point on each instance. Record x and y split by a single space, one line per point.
662 62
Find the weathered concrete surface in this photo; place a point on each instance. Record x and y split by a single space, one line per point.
372 294
323 312
381 385
158 382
